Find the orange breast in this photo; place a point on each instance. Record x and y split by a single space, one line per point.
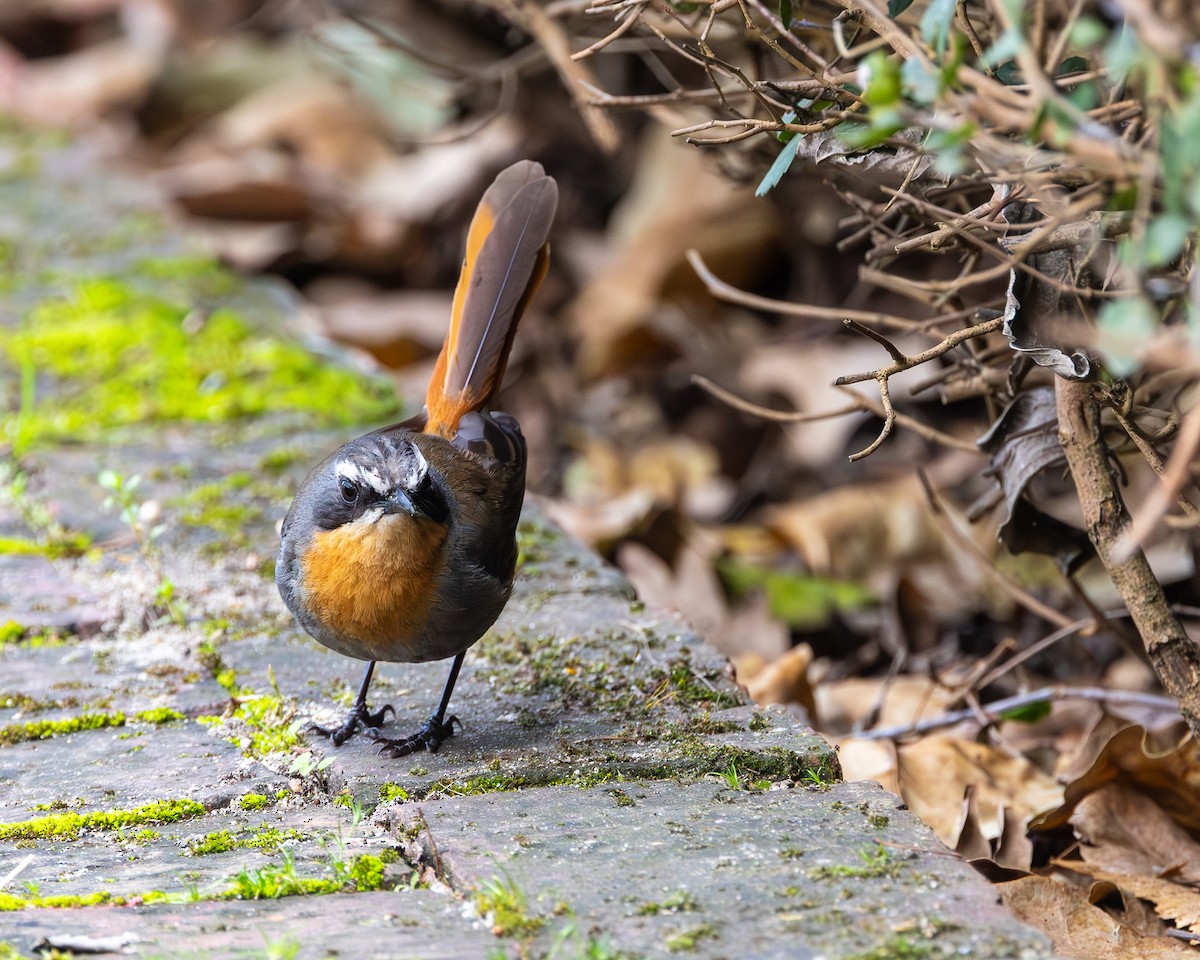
374 583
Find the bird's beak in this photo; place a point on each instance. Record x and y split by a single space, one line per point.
400 502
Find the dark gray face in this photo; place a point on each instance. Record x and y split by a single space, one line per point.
372 476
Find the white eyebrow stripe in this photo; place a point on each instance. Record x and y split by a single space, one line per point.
420 467
350 470
376 481
360 475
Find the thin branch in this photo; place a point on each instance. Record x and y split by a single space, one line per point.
889 421
724 291
995 711
1174 477
1018 593
957 338
767 413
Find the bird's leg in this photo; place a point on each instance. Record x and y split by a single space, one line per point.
437 728
359 714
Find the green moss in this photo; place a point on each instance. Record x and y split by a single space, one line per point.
535 542
393 791
108 354
678 902
367 872
877 862
158 715
44 729
11 632
72 545
899 948
621 798
222 841
259 723
273 881
65 826
253 801
277 461
690 939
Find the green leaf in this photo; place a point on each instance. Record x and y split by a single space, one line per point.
935 24
1122 54
1123 327
1030 713
883 81
1005 49
1087 33
781 166
920 83
1072 65
897 7
785 12
1165 237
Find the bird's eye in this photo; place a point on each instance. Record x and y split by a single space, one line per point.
349 490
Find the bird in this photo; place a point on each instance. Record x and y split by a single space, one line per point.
400 546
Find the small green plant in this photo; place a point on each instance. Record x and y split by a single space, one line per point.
123 494
877 860
689 939
503 904
286 947
305 764
51 538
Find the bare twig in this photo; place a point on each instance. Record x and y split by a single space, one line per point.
1174 477
724 291
995 711
1006 583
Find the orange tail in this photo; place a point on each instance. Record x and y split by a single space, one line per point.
506 261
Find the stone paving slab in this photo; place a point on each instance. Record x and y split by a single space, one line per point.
784 873
365 926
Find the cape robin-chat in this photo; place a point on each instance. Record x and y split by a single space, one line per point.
401 545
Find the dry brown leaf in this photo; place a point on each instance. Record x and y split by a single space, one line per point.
77 88
1172 777
936 771
870 760
1126 832
678 201
785 680
694 590
316 120
845 705
398 329
1173 902
1078 929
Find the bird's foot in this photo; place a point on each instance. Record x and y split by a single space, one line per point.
429 737
359 716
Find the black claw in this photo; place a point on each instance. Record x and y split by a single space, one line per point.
430 737
379 717
358 717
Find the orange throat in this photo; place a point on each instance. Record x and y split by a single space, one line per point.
374 581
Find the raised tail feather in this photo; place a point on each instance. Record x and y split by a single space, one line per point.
506 261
